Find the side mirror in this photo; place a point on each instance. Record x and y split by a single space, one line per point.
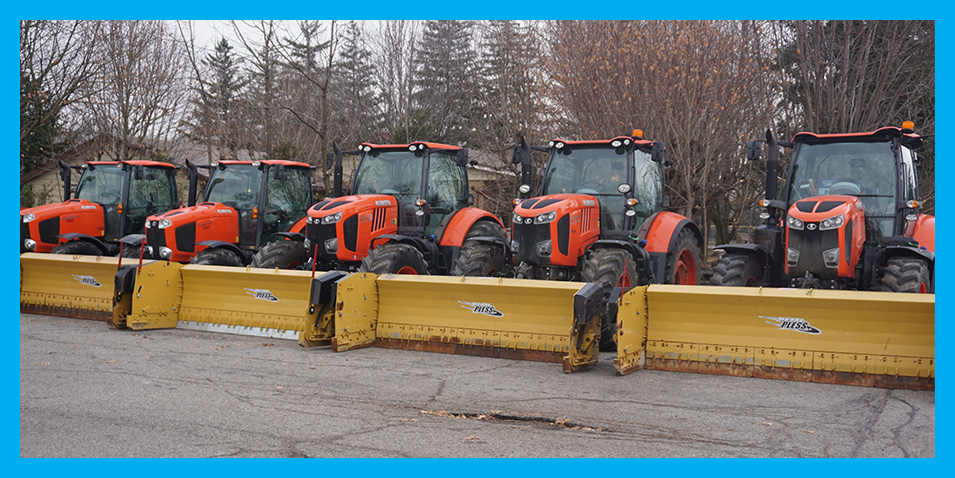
518 153
657 152
462 157
329 160
137 172
752 149
280 172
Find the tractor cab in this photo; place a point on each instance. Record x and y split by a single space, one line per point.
428 180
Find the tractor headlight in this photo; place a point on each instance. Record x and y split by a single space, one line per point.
332 218
308 244
164 224
524 189
543 248
29 244
165 253
28 217
623 188
517 218
545 218
515 246
831 258
792 256
794 223
331 245
834 222
309 220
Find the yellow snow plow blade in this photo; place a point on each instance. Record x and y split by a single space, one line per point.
238 300
491 317
858 338
68 285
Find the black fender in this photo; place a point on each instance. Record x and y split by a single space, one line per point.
427 247
292 236
213 244
77 236
641 257
755 250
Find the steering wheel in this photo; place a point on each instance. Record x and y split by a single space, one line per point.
389 191
278 212
845 186
586 189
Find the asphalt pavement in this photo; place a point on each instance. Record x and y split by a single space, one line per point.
88 391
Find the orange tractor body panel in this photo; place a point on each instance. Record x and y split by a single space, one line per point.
572 235
459 225
73 216
358 219
662 230
837 215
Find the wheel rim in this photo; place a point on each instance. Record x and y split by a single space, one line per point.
923 289
684 271
750 281
407 270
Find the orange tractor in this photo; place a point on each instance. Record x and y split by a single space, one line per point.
849 217
247 203
113 199
408 211
600 217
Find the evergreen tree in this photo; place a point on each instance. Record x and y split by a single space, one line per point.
355 89
217 113
42 142
445 86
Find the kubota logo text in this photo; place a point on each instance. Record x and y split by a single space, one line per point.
481 308
87 280
263 294
792 323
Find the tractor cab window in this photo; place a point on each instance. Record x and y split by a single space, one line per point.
104 184
396 173
155 193
447 188
647 186
594 170
866 170
237 186
286 199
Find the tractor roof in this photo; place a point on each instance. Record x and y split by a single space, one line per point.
417 143
271 162
912 139
133 163
601 142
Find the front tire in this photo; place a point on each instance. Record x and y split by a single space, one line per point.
217 257
394 258
683 262
77 247
281 254
609 268
906 274
736 270
481 259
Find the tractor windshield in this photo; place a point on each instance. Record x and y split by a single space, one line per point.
599 171
102 184
397 173
236 185
862 169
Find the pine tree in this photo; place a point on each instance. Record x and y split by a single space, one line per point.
355 98
445 86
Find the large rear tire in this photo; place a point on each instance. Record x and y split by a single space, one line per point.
736 270
394 258
77 247
683 262
217 257
481 259
609 268
906 274
281 254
